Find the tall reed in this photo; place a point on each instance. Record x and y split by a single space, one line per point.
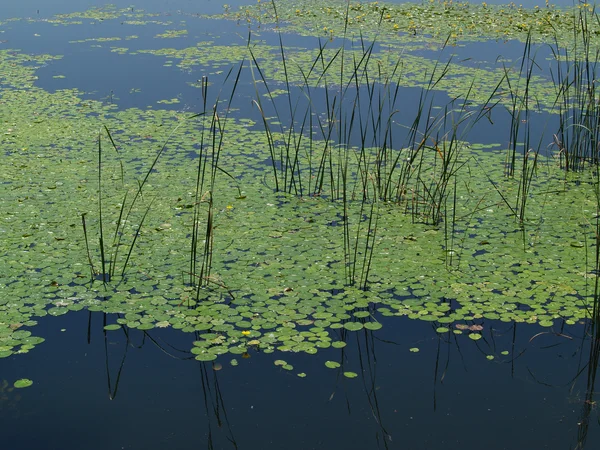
349 148
110 258
578 135
213 128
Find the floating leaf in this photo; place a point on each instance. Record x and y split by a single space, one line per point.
206 356
373 326
23 383
353 326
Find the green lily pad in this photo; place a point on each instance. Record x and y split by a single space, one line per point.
373 326
23 383
206 356
353 326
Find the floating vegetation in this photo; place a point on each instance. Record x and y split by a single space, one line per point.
296 214
23 383
169 34
427 21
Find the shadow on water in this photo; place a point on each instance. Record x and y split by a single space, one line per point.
414 388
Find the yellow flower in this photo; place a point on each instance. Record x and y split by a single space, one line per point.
246 333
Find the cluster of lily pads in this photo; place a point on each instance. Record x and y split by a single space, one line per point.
418 23
278 276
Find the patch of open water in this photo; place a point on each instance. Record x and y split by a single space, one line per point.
448 394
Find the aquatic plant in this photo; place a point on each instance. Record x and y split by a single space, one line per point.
108 261
578 136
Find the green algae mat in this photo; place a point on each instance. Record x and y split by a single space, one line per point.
210 222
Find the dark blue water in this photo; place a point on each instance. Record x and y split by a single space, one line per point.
448 395
32 8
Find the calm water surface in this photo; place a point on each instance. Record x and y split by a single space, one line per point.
144 390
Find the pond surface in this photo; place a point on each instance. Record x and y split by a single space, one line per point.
446 394
258 276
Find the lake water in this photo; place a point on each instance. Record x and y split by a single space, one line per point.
447 394
407 385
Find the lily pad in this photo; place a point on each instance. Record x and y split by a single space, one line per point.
353 326
373 326
206 356
23 383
